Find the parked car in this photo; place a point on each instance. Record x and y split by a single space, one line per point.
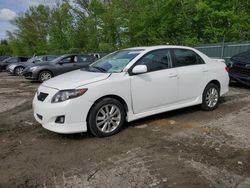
44 71
239 68
127 85
17 68
4 57
6 62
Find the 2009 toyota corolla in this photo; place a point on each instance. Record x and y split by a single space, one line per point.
127 85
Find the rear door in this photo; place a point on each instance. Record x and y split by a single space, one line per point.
192 73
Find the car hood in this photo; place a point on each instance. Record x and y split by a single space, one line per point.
75 79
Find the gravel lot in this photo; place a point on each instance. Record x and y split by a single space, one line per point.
183 148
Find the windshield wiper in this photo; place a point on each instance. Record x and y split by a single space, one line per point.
99 68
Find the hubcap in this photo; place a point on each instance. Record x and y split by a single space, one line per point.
212 97
19 71
45 76
108 118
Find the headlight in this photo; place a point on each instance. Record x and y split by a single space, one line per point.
67 94
33 68
230 64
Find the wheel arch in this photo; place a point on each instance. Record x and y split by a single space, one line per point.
42 70
216 82
120 99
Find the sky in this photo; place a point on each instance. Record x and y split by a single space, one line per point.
9 9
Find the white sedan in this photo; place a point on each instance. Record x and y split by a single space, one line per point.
127 85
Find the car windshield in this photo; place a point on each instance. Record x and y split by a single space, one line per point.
31 60
114 62
6 60
58 58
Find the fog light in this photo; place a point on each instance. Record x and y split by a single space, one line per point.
60 119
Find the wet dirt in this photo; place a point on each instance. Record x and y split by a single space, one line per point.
181 148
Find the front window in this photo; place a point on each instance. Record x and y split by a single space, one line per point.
114 62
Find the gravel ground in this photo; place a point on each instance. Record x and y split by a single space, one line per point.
182 148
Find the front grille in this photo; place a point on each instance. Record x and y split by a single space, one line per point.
42 96
39 116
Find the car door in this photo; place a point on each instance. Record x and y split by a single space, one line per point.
66 64
192 71
156 88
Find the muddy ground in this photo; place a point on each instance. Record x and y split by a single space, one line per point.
183 148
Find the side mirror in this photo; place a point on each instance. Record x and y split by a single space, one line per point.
139 69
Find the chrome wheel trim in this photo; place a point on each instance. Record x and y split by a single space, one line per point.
212 97
19 71
108 118
45 76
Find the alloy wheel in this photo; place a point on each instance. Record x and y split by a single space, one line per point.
45 76
108 118
212 97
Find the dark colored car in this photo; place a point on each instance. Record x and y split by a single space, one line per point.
46 70
4 57
6 62
239 68
17 68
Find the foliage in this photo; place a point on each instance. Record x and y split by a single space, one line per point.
98 25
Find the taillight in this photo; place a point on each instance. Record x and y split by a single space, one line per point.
227 68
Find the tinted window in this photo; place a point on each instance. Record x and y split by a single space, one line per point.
70 59
156 60
13 60
186 57
22 59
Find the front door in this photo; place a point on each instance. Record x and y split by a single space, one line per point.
156 88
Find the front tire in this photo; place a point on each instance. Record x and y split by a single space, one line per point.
210 97
106 118
44 75
18 71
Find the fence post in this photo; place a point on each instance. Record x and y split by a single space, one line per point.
222 47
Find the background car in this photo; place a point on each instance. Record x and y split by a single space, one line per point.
44 71
239 68
10 60
17 68
3 57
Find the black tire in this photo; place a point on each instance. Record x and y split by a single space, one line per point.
41 76
18 71
95 110
205 101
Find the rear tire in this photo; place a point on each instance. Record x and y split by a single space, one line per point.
44 75
210 97
106 117
18 71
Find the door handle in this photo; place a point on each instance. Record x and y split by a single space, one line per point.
172 75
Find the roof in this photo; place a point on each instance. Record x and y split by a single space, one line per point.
158 47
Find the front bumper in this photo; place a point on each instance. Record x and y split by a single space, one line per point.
74 110
240 78
30 75
10 70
